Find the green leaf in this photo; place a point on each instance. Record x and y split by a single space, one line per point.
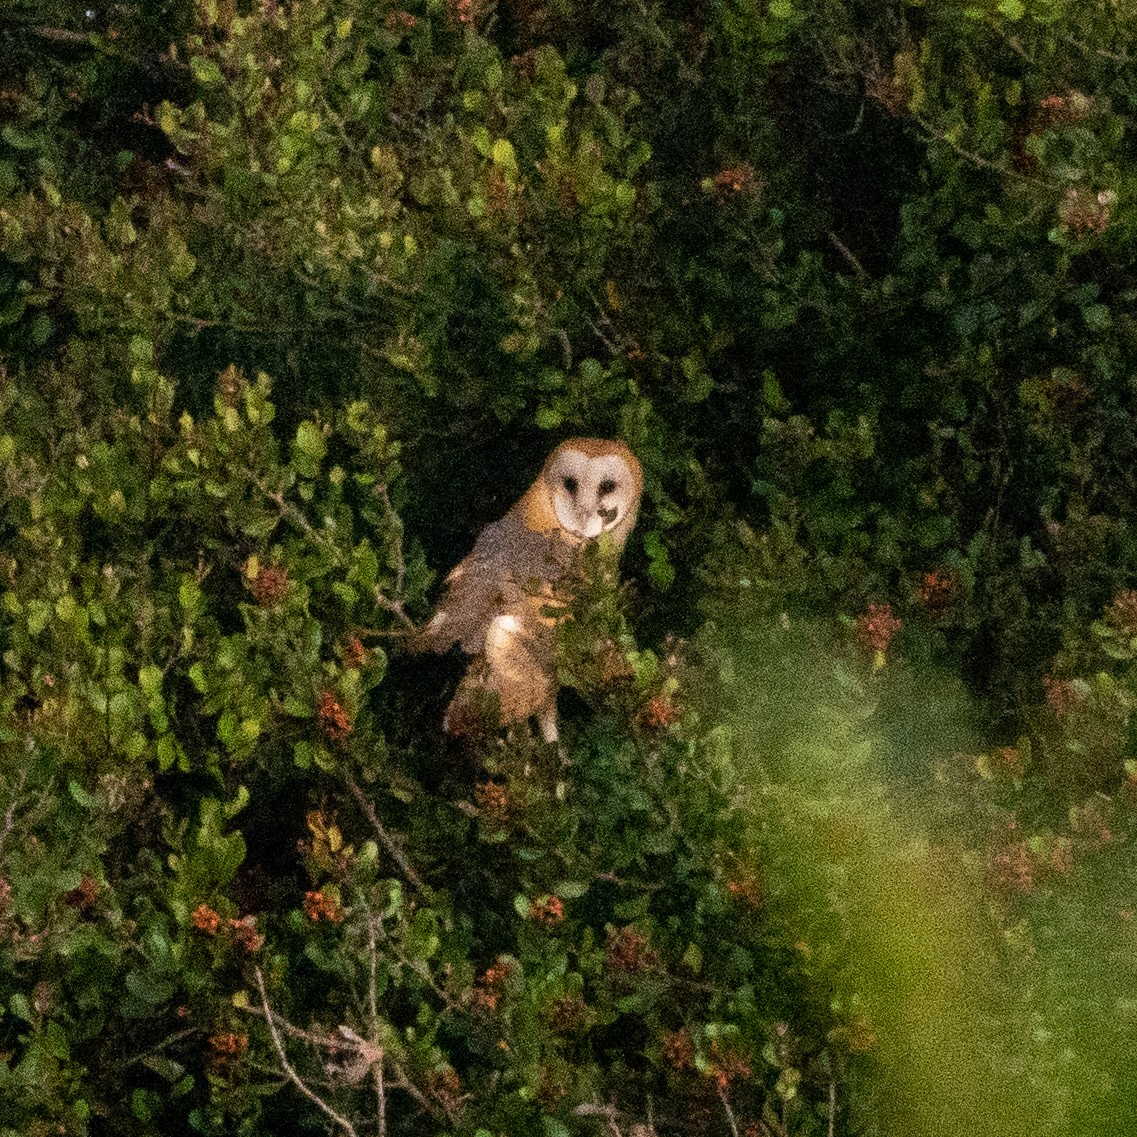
167 750
197 677
570 889
699 381
55 1042
80 795
143 1103
206 71
481 141
18 140
240 800
660 568
310 440
38 616
503 155
640 154
166 1068
693 958
150 679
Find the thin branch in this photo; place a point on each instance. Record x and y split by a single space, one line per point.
770 1124
566 347
341 130
62 35
404 1083
200 322
729 1113
932 132
1122 57
373 963
832 1106
373 1055
10 812
381 1095
286 1066
294 1031
846 252
373 1009
169 1040
366 1054
395 607
388 842
423 972
384 633
290 513
608 1112
613 349
396 523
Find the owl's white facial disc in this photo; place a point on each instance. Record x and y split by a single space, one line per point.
590 495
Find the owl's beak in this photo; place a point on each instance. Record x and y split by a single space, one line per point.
592 527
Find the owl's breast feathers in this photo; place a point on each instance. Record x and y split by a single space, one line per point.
506 572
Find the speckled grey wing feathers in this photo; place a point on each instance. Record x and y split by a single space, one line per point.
508 561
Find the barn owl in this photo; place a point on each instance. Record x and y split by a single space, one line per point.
500 601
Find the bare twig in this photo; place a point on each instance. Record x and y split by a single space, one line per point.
846 252
770 1124
832 1106
10 812
169 1040
341 130
365 1054
729 1112
613 348
385 633
62 35
423 972
395 607
396 523
608 1112
938 135
566 347
372 1054
293 1031
286 1066
290 513
388 842
373 963
381 1096
201 322
373 1008
1122 57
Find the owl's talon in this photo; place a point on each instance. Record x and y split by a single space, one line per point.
547 721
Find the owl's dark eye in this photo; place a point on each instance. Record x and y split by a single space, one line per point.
570 484
607 486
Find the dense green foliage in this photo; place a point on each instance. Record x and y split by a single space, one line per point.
294 299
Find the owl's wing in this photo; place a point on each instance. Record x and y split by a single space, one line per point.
507 561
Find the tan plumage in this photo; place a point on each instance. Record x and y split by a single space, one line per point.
498 600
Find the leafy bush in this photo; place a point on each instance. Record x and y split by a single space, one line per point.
294 299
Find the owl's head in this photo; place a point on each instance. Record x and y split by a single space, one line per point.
593 486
